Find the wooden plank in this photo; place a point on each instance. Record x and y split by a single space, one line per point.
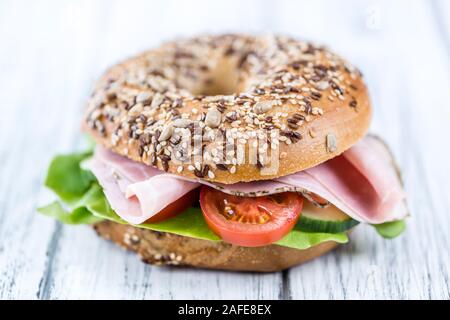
95 269
17 221
441 12
46 78
31 112
403 61
87 267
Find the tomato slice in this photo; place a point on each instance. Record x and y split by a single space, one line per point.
250 221
176 207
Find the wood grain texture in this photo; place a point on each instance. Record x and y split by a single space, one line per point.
52 51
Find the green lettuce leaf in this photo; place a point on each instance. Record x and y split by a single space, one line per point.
298 239
67 179
80 215
80 192
191 224
390 229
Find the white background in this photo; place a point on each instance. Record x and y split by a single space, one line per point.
52 51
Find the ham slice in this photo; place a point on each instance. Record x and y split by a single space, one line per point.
362 182
135 191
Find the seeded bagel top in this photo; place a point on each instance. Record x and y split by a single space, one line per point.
230 108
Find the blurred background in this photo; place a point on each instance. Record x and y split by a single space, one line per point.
51 52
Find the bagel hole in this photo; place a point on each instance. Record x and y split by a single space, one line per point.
222 80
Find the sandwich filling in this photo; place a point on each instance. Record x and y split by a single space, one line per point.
299 210
362 182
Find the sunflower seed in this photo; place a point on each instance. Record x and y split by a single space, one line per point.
213 118
262 107
166 133
322 85
143 97
181 123
157 100
331 142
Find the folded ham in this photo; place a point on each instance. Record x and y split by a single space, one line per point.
362 182
135 191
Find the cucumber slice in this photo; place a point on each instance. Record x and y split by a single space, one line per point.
324 220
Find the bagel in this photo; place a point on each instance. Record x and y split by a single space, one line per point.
232 84
165 249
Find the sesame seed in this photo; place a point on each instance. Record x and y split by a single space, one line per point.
157 256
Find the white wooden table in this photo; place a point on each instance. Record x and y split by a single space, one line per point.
52 51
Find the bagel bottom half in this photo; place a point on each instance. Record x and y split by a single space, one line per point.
169 249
